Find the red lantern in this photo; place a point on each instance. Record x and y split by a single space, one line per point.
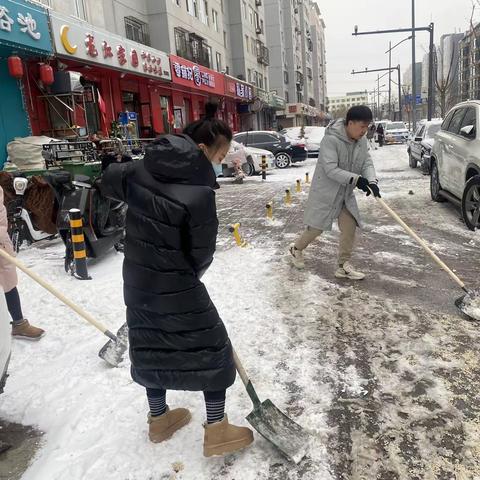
15 66
46 74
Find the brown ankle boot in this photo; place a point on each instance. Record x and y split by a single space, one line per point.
26 331
221 438
164 426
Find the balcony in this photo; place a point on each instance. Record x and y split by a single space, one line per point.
299 78
192 47
263 54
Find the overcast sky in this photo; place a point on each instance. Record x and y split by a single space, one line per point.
345 52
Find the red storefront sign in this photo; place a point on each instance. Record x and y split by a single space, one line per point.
191 75
237 89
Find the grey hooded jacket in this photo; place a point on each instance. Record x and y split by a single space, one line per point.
340 163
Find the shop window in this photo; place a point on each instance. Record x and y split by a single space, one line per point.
137 30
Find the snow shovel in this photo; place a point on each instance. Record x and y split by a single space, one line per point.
289 437
117 343
468 304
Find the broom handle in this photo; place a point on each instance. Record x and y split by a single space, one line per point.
422 243
246 381
57 294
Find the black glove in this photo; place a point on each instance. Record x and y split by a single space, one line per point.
362 184
376 191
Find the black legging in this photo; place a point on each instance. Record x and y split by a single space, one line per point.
14 305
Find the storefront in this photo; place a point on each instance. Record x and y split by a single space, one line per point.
24 46
104 82
192 86
298 114
238 100
276 104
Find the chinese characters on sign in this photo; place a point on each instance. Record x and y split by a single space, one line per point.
27 23
244 91
194 74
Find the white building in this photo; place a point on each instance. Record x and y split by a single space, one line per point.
344 102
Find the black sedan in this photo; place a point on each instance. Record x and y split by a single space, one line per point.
284 150
420 146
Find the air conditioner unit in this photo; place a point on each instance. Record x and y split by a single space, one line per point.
66 82
258 2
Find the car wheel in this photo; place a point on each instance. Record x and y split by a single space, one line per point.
411 161
471 203
248 168
282 160
435 186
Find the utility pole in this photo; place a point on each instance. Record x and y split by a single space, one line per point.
390 81
378 95
414 70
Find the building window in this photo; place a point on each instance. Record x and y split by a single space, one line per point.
176 2
247 40
224 38
137 30
215 19
221 6
249 78
80 10
219 62
252 17
244 10
285 78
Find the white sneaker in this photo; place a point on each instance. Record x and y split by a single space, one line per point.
297 257
348 271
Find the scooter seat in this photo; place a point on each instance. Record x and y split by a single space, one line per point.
57 179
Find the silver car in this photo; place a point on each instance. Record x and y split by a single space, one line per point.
455 161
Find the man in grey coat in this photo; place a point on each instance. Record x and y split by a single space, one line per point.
344 164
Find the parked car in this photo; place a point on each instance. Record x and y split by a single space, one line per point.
395 132
236 154
420 146
455 162
254 159
283 149
313 136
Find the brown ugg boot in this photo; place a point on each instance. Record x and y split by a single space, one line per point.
221 438
161 428
26 331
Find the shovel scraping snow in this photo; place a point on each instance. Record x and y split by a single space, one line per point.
289 437
115 357
468 304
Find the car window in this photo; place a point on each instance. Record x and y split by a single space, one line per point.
264 138
240 138
396 126
470 118
420 131
457 118
447 121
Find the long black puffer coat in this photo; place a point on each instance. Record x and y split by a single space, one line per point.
177 339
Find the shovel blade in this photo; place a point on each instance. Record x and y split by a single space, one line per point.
289 437
469 305
114 350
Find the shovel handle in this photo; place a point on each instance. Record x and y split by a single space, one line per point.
246 381
421 242
57 294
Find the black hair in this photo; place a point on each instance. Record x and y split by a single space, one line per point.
359 113
208 129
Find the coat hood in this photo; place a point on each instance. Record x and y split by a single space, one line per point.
337 129
177 159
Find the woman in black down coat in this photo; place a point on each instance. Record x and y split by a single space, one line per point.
177 339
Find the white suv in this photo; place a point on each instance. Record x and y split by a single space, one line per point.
455 162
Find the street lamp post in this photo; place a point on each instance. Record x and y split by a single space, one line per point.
412 30
414 70
387 70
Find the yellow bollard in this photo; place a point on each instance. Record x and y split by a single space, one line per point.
264 167
235 229
269 211
307 178
288 197
78 244
299 186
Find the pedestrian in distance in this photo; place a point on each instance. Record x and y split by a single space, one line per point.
371 136
344 164
177 339
381 135
21 327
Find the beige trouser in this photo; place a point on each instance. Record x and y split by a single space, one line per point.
347 225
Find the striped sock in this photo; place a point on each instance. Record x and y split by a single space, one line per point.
157 404
215 410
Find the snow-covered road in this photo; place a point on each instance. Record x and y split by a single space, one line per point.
383 373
